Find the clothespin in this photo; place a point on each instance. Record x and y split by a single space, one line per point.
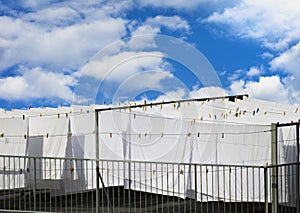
110 135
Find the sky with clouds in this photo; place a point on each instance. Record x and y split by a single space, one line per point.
56 52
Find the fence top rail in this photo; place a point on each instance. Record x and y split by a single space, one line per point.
136 161
287 124
283 165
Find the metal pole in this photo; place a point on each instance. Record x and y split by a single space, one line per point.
229 97
97 160
34 184
274 178
195 199
266 189
297 169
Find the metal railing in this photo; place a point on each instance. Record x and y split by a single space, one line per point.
78 185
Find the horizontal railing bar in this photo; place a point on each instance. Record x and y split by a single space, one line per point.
283 165
288 124
132 161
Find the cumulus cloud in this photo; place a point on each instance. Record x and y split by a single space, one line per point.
177 4
36 83
276 26
153 25
54 16
171 22
273 23
207 92
254 71
267 88
123 65
62 48
288 61
61 36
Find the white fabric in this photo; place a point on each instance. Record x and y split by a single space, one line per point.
209 132
13 142
54 133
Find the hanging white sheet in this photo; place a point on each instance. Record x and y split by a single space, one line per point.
13 138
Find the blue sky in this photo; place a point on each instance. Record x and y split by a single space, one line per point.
101 50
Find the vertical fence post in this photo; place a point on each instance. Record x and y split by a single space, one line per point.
195 177
34 184
97 159
297 169
266 189
274 178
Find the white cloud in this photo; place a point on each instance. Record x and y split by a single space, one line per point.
191 5
136 84
123 65
178 4
178 94
68 47
36 83
171 22
288 61
35 3
53 16
153 25
236 75
267 88
207 92
274 23
62 36
253 71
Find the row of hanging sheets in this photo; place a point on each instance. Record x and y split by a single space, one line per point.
156 134
48 134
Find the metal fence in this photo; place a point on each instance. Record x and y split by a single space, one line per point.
85 185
